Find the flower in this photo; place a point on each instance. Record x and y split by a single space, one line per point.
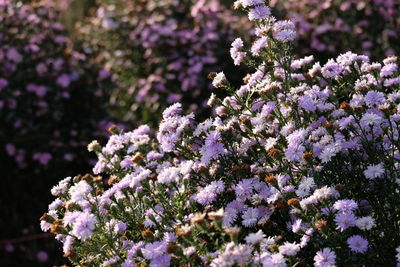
84 225
357 244
345 205
325 258
255 238
259 13
289 249
284 31
345 221
374 171
365 223
219 80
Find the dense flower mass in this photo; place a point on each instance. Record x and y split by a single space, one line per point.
370 27
299 166
160 51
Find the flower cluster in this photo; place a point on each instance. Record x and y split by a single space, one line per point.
160 52
299 166
51 101
41 82
370 27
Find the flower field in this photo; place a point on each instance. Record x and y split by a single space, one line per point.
200 133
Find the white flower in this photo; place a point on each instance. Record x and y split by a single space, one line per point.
255 238
61 188
289 249
92 146
365 223
189 251
271 142
307 183
169 175
374 171
329 152
219 80
80 191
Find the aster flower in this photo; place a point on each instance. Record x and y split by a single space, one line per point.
219 80
365 223
289 249
255 238
345 221
154 250
259 13
374 171
212 148
332 69
345 205
84 225
250 217
284 31
325 258
357 244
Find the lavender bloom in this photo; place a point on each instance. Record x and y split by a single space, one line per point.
84 225
357 244
374 171
250 217
345 205
171 111
388 70
345 221
248 3
209 193
325 258
212 148
332 70
259 13
154 250
259 45
284 31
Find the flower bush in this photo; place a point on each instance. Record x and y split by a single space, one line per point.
370 27
298 167
160 51
48 108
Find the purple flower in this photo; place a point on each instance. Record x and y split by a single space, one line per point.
63 80
332 70
258 45
374 171
126 163
345 205
247 3
388 70
154 250
84 225
235 52
161 261
325 258
357 244
244 189
250 217
345 221
212 148
374 98
259 13
209 193
284 31
14 55
43 158
175 109
3 83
